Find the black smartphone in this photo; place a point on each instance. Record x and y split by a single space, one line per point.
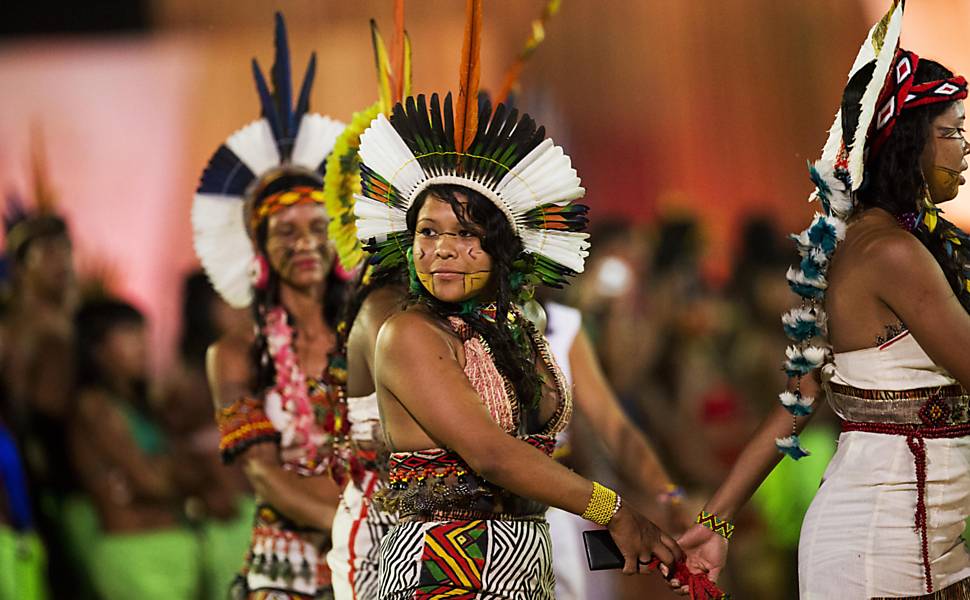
601 551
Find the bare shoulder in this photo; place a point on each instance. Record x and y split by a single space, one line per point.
229 366
414 332
377 307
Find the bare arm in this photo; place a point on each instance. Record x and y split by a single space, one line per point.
706 550
629 450
415 363
919 294
103 428
309 501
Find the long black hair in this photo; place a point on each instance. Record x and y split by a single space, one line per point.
515 357
894 179
93 322
267 298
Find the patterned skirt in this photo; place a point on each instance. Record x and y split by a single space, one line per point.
480 559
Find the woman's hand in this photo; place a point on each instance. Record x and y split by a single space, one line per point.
706 551
639 540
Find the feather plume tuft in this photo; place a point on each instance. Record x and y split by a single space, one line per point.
466 109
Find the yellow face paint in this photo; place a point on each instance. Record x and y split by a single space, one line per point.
472 284
427 280
944 184
475 282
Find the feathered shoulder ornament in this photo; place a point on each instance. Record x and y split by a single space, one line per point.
836 176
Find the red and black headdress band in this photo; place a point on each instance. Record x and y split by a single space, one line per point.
901 93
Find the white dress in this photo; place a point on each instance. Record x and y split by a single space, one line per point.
859 539
358 525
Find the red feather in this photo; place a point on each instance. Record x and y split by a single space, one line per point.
397 53
466 112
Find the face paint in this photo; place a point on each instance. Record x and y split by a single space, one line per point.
427 280
943 183
472 283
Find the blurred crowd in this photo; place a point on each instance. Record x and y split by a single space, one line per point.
108 474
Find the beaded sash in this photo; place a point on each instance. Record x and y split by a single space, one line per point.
917 414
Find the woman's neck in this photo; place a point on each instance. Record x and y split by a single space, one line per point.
306 308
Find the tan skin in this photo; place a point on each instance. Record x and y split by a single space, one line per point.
38 348
297 248
426 401
880 274
132 490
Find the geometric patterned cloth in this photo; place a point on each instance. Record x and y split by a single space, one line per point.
478 559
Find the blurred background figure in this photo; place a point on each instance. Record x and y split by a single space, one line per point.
37 365
133 477
223 508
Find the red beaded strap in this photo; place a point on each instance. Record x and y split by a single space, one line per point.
241 425
916 436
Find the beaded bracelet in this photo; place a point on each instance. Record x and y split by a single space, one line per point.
722 527
673 495
603 504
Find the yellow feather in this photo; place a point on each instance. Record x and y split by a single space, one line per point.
383 65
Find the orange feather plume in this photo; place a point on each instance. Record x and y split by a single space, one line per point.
466 111
536 37
397 53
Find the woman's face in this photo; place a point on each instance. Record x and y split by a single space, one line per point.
297 247
48 263
448 257
945 156
124 351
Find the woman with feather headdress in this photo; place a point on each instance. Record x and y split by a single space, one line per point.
261 235
894 305
477 206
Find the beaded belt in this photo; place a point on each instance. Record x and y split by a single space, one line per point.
918 415
933 406
471 515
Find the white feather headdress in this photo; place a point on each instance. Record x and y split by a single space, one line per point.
285 139
509 161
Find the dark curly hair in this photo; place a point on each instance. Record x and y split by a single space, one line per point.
268 298
893 179
514 358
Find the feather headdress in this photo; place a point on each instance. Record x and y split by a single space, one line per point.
23 224
343 166
286 139
502 155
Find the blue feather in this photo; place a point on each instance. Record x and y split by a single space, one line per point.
810 268
225 174
801 330
283 80
266 101
795 450
303 103
823 235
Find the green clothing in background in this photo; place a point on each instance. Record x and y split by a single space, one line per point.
783 498
155 565
23 566
224 547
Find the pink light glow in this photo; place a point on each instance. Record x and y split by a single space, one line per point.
111 114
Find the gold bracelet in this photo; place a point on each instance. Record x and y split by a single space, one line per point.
722 527
603 504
